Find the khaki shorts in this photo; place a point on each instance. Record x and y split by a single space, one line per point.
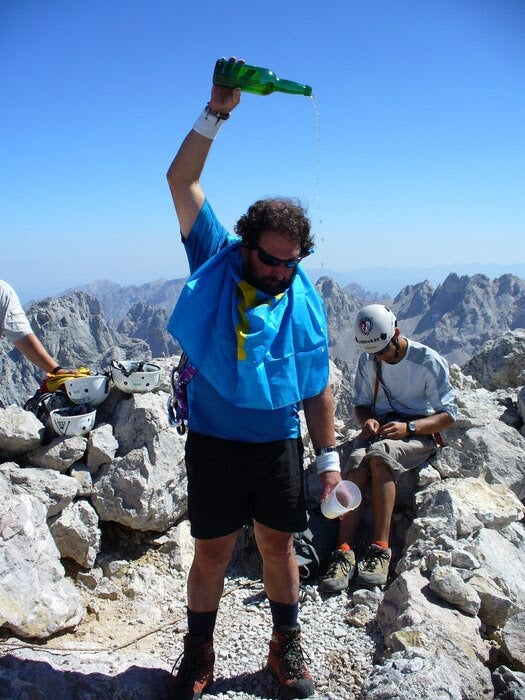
399 455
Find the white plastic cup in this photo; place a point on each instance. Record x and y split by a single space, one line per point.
344 497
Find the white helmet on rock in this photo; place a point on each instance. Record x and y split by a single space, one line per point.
375 327
88 390
135 377
73 420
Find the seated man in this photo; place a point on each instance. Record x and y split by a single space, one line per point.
402 398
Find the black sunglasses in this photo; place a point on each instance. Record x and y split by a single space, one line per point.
272 261
383 351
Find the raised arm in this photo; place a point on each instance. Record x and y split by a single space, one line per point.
185 171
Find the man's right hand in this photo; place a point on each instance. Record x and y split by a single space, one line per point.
224 99
186 169
370 429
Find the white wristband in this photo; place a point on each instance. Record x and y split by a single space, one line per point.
328 462
209 124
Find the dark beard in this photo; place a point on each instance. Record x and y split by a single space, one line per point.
267 284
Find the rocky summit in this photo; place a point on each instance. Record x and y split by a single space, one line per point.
95 545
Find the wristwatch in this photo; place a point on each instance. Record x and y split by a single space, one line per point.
411 427
324 450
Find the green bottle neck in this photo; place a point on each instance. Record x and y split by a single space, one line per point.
291 87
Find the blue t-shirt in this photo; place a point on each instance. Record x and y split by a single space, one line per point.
209 413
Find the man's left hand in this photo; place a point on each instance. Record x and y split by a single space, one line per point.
328 482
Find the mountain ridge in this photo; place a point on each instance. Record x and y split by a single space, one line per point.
388 281
116 299
456 319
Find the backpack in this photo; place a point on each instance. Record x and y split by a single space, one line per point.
313 546
43 402
41 405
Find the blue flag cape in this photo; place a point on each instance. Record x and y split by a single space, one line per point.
257 351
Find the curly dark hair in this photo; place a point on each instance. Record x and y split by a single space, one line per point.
283 215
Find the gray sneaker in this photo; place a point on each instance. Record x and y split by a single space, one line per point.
340 571
373 568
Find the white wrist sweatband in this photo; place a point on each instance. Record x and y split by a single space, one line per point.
328 462
209 123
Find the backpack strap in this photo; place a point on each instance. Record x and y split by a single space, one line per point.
376 386
439 440
306 556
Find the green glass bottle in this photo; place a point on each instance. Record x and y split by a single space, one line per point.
259 81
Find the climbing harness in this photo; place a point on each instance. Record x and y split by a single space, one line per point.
180 376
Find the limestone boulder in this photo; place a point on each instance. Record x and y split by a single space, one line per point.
36 599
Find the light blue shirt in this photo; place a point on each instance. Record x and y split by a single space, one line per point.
418 385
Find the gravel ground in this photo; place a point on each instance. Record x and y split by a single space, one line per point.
340 655
144 615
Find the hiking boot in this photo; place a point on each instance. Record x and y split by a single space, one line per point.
373 568
286 661
195 671
339 573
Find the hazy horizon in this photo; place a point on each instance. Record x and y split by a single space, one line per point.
387 281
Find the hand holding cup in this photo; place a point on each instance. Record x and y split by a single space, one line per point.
345 496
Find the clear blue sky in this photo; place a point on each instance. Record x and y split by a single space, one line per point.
418 158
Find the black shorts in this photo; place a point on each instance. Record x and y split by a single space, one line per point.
230 482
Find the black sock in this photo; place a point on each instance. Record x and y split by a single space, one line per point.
284 615
201 624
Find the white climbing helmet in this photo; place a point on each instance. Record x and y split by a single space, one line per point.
135 377
73 420
375 327
90 390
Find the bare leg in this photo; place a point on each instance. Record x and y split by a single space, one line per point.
350 521
280 572
206 578
383 498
